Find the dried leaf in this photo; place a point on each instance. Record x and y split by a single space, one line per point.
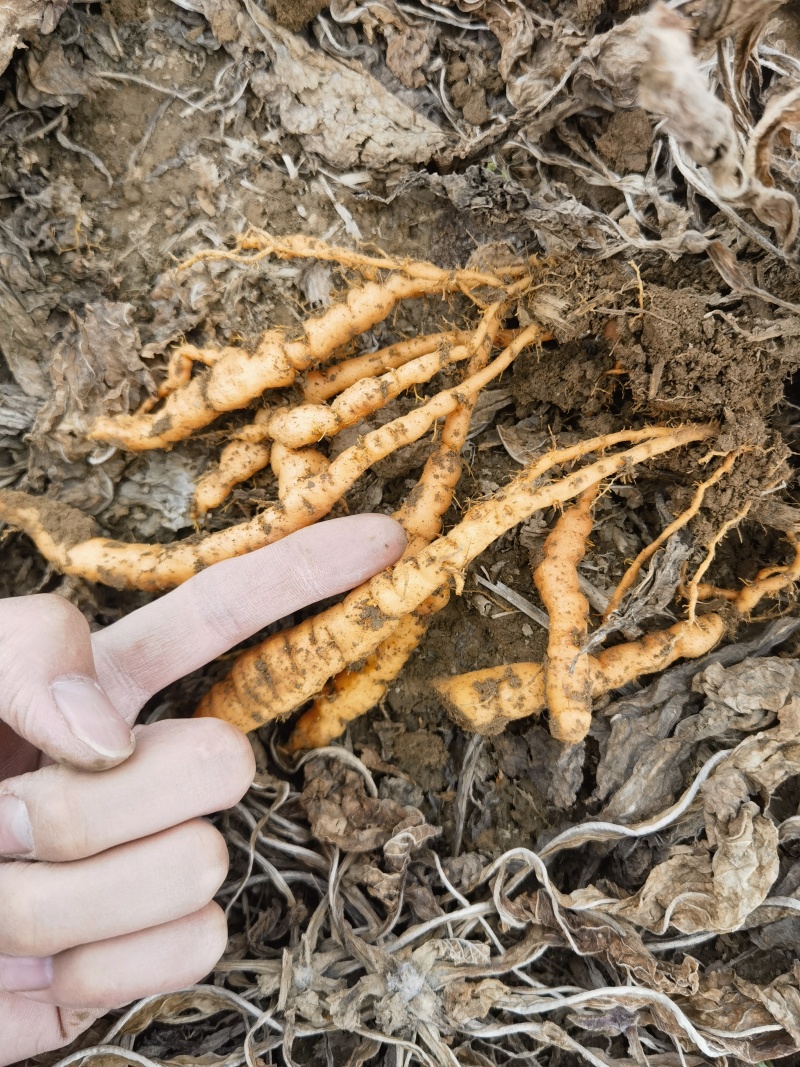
96 367
700 889
717 19
342 814
48 79
339 111
19 17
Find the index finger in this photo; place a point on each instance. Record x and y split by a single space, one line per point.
221 606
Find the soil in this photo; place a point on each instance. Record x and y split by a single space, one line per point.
633 342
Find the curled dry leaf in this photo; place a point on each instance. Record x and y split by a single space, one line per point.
341 812
339 111
776 208
717 19
18 18
95 368
510 22
699 888
48 79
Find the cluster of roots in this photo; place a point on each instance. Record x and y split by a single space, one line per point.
379 625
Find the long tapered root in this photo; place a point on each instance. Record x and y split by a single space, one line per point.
321 385
568 686
486 701
272 679
307 423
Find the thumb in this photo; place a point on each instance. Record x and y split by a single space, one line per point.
49 692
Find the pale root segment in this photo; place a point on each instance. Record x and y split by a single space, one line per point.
693 589
66 537
246 454
179 371
236 376
270 680
769 582
568 687
486 701
352 693
294 467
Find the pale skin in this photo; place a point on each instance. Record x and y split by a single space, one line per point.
108 867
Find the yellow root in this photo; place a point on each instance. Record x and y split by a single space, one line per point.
246 455
294 467
770 581
321 385
237 376
692 594
568 683
299 246
632 573
307 423
486 701
179 372
67 538
271 679
351 694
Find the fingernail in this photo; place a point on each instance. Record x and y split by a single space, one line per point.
92 717
25 974
16 835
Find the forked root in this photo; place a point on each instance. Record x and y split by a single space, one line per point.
486 701
321 385
306 424
352 693
271 679
235 376
632 573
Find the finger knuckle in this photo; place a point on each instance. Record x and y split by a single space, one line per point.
208 856
21 934
231 755
54 614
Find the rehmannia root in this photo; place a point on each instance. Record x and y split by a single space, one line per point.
568 685
486 701
352 693
235 376
246 455
68 539
270 680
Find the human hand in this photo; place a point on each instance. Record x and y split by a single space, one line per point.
107 879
